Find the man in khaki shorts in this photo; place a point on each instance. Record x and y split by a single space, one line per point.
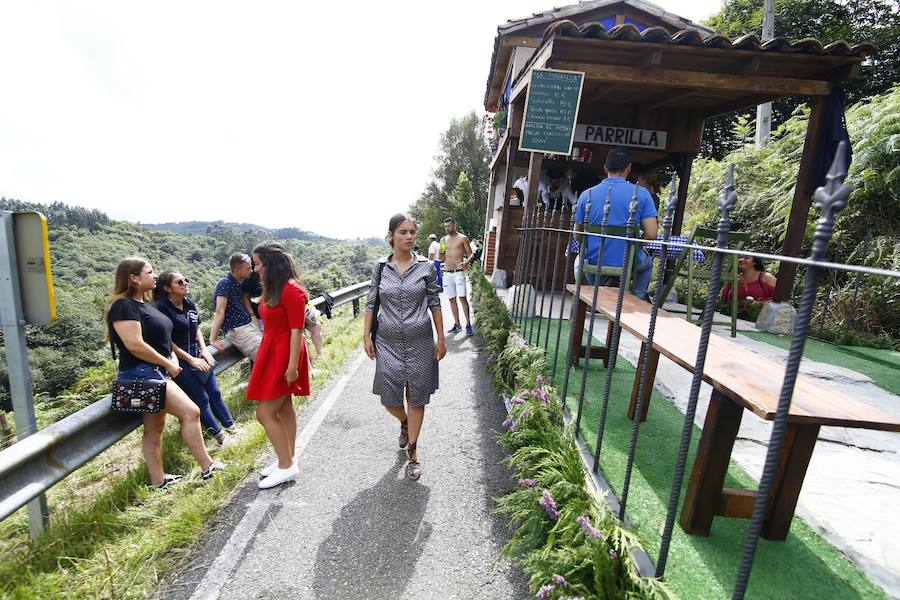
458 256
231 317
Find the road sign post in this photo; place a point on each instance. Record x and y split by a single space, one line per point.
13 319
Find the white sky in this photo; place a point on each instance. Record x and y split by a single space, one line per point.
259 112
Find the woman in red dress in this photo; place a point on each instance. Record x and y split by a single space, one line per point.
282 366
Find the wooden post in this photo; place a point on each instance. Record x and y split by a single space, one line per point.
502 233
684 179
534 178
793 239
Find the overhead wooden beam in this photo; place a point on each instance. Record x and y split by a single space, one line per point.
698 80
667 97
600 94
652 58
520 41
738 103
751 66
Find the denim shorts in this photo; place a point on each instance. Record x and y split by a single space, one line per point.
143 370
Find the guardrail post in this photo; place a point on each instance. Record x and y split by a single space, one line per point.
20 385
613 349
830 199
355 307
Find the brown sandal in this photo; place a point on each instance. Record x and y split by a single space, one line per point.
404 434
413 468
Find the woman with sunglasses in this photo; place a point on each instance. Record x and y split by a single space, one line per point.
143 337
196 378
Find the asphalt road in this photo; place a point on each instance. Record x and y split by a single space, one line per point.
352 526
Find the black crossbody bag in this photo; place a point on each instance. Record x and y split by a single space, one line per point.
374 330
140 396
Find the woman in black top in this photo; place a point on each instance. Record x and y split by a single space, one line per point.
143 337
196 378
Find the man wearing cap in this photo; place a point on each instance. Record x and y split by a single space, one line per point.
434 255
239 325
556 193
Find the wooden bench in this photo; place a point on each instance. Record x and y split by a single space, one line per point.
741 379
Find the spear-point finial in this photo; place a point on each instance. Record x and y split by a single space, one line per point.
607 206
671 202
587 208
728 198
632 207
832 197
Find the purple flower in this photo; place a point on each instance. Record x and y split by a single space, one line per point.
517 400
513 426
544 592
549 505
613 554
508 423
527 483
558 579
589 529
539 382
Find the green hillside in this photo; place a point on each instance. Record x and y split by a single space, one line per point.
85 246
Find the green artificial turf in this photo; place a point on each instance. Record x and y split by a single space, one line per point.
882 366
803 566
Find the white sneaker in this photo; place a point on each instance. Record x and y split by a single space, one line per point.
278 476
267 470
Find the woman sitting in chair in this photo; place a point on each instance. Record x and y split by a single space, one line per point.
755 284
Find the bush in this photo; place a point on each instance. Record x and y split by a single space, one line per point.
565 538
765 180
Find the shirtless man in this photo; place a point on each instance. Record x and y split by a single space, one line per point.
457 257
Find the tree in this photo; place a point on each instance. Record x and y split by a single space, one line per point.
468 221
463 149
876 21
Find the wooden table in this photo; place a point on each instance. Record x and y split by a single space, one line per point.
741 379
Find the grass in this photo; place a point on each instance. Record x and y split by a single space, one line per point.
112 537
803 566
882 366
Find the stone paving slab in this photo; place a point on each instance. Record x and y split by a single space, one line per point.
352 526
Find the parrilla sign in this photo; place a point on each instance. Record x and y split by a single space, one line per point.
620 136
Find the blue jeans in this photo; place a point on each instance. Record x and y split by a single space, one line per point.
642 274
440 278
143 370
203 389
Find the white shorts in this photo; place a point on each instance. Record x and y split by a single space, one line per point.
455 284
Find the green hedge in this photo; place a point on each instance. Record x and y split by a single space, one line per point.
565 537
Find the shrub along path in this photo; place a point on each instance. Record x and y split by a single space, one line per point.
804 566
353 526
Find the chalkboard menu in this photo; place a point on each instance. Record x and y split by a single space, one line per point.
551 108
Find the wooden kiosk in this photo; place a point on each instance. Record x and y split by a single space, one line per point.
647 72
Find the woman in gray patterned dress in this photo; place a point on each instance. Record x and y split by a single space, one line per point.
406 355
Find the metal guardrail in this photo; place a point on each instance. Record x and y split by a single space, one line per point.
33 465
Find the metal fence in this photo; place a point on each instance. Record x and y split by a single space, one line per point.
545 232
36 463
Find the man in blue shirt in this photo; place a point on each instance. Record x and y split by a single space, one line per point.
233 317
617 167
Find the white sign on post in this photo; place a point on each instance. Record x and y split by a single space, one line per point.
620 136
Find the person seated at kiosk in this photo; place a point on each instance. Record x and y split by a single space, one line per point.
618 167
553 195
646 179
755 284
520 189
